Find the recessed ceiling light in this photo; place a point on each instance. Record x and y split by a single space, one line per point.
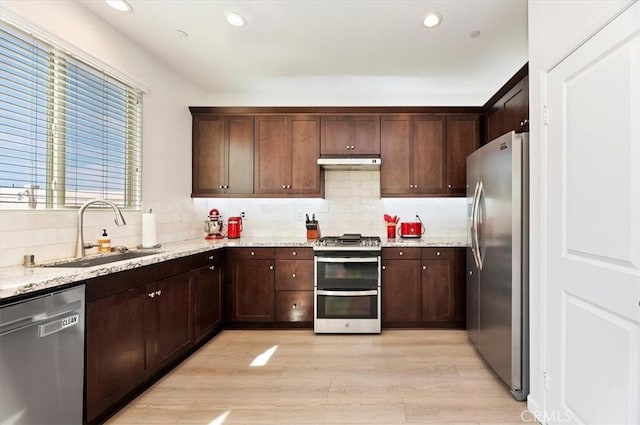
475 34
236 20
181 34
120 5
432 19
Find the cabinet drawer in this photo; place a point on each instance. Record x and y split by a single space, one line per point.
294 274
254 253
294 306
437 253
206 258
401 253
294 253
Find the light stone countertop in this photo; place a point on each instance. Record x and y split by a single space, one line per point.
19 280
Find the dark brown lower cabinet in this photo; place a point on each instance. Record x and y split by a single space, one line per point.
252 285
207 291
294 306
169 331
443 285
116 349
423 287
401 291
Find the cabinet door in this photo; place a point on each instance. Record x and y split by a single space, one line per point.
210 168
366 135
396 154
294 275
429 151
116 351
335 138
438 291
516 108
305 151
401 291
168 322
239 137
294 306
207 286
273 154
495 118
463 137
252 291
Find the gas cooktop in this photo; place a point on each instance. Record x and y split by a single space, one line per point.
348 242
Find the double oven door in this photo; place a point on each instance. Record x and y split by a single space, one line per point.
347 292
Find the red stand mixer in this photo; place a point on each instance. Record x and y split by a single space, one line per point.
213 226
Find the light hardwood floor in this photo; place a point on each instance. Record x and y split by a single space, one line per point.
398 377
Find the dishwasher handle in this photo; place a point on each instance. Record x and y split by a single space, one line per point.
46 326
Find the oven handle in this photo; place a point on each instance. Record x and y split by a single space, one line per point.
347 293
347 259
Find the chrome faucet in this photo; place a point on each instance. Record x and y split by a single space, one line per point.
80 245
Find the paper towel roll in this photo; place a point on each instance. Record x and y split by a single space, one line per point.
149 237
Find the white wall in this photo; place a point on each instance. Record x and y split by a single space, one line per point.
166 177
556 27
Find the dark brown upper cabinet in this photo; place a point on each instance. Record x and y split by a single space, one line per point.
222 155
287 148
425 155
357 135
508 110
463 137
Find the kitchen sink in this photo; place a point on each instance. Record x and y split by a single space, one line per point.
101 259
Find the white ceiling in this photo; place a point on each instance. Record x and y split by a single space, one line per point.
374 51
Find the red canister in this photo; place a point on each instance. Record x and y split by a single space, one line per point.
234 227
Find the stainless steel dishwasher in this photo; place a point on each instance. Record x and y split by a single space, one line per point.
42 359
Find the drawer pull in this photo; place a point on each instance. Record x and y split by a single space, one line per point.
294 305
438 253
159 292
151 295
253 253
401 253
212 267
211 257
294 253
384 267
270 267
424 267
293 275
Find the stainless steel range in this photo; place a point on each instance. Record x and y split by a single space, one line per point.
347 284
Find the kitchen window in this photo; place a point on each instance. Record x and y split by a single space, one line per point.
68 131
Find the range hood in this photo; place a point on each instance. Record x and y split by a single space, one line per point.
366 164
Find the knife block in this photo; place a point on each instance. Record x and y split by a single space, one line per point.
313 232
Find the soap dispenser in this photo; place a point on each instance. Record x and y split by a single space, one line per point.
104 243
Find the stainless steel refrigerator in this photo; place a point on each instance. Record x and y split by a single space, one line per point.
497 260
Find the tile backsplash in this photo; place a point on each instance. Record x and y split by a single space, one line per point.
352 204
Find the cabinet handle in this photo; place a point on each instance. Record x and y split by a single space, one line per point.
384 267
211 257
424 267
293 275
288 186
415 186
352 147
526 121
294 253
226 187
294 305
449 186
470 272
438 254
253 253
348 147
221 187
159 292
270 267
151 295
212 267
284 186
410 186
401 253
521 123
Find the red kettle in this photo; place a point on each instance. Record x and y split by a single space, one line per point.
234 227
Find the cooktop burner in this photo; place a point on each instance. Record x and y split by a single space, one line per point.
348 241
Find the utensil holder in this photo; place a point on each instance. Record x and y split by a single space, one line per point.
391 231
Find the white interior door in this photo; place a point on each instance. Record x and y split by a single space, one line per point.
593 229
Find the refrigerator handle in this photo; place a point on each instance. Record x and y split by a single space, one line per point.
480 260
474 206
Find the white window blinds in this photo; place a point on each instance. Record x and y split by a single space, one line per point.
68 132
